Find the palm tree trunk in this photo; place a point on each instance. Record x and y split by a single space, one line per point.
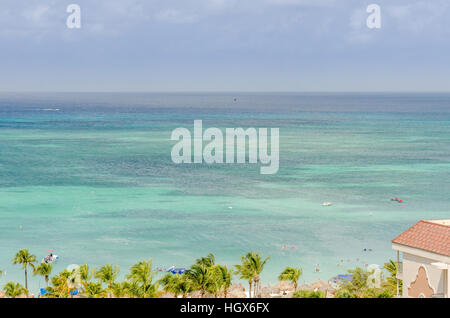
250 289
26 282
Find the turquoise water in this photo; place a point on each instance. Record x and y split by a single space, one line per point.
95 182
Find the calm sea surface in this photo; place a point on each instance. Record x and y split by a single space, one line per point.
90 176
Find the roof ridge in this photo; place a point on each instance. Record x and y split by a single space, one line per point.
434 223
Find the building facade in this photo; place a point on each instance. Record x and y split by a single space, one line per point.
423 255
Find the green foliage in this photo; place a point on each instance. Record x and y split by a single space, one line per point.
218 279
64 284
94 290
44 269
205 276
86 273
250 269
198 275
14 290
174 283
107 274
386 293
291 274
308 294
208 261
121 290
24 258
391 281
141 279
226 278
358 287
344 293
177 284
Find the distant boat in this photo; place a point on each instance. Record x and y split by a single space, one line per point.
327 203
50 259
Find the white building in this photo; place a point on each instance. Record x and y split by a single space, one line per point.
425 261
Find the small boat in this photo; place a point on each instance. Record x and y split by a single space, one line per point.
327 203
50 259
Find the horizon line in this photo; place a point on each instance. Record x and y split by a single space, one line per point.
220 92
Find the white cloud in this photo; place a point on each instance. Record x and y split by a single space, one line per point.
421 17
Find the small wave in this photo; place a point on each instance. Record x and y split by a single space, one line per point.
51 109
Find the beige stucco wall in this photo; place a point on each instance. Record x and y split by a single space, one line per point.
411 265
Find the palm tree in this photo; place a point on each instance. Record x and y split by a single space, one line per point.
120 290
142 276
14 290
251 268
198 275
208 261
214 280
86 274
25 258
171 283
64 284
392 281
94 290
245 273
186 286
226 277
59 287
107 274
44 269
291 274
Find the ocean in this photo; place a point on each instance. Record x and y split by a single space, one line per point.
90 176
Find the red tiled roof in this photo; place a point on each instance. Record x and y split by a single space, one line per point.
426 235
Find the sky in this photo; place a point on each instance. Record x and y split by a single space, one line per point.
225 45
